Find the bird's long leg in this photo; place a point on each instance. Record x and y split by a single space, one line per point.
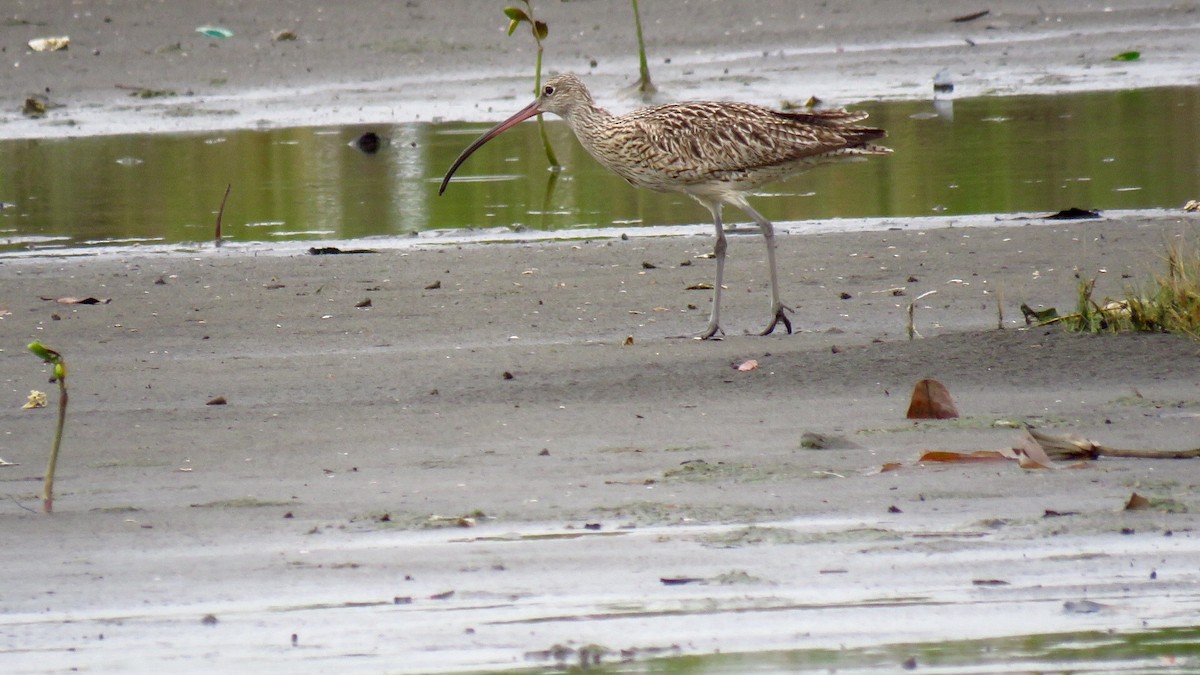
719 253
778 309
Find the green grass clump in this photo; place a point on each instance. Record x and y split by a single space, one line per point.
1170 305
1173 304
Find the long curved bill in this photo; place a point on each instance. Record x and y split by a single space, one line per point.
524 114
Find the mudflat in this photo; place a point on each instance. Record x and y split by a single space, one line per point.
508 457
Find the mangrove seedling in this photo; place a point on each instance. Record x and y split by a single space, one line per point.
60 375
517 16
645 86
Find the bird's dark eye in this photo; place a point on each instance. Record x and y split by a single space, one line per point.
548 90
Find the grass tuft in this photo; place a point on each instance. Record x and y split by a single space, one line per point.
1170 305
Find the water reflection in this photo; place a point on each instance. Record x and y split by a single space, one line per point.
1110 150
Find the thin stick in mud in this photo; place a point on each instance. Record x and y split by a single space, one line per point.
221 213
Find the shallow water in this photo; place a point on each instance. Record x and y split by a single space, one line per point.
1105 150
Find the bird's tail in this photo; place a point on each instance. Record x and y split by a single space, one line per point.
841 121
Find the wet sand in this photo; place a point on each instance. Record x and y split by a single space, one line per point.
316 521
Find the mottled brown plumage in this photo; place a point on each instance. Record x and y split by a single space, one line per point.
712 151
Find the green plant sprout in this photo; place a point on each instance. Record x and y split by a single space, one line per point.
60 375
645 86
517 16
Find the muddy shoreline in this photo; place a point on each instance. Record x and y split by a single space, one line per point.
133 68
498 462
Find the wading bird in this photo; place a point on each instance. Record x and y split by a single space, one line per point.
714 152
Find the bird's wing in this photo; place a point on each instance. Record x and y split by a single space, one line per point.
697 142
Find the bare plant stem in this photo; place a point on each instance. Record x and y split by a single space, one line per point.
537 90
221 212
48 480
1000 308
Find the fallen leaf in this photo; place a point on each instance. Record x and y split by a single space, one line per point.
1031 454
1041 316
220 400
978 456
37 399
891 466
931 401
1137 503
79 301
1127 56
1066 446
702 286
746 366
50 44
628 341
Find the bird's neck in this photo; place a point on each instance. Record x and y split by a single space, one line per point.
586 116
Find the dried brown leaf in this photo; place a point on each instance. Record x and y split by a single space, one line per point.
978 456
1137 503
931 401
1031 454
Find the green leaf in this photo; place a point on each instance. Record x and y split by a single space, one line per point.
512 26
516 14
1127 56
44 353
540 29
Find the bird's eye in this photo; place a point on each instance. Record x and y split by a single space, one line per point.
548 90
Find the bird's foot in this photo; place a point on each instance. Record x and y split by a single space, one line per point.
710 333
780 315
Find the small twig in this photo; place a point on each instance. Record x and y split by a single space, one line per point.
221 212
1148 454
14 500
1000 308
912 306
